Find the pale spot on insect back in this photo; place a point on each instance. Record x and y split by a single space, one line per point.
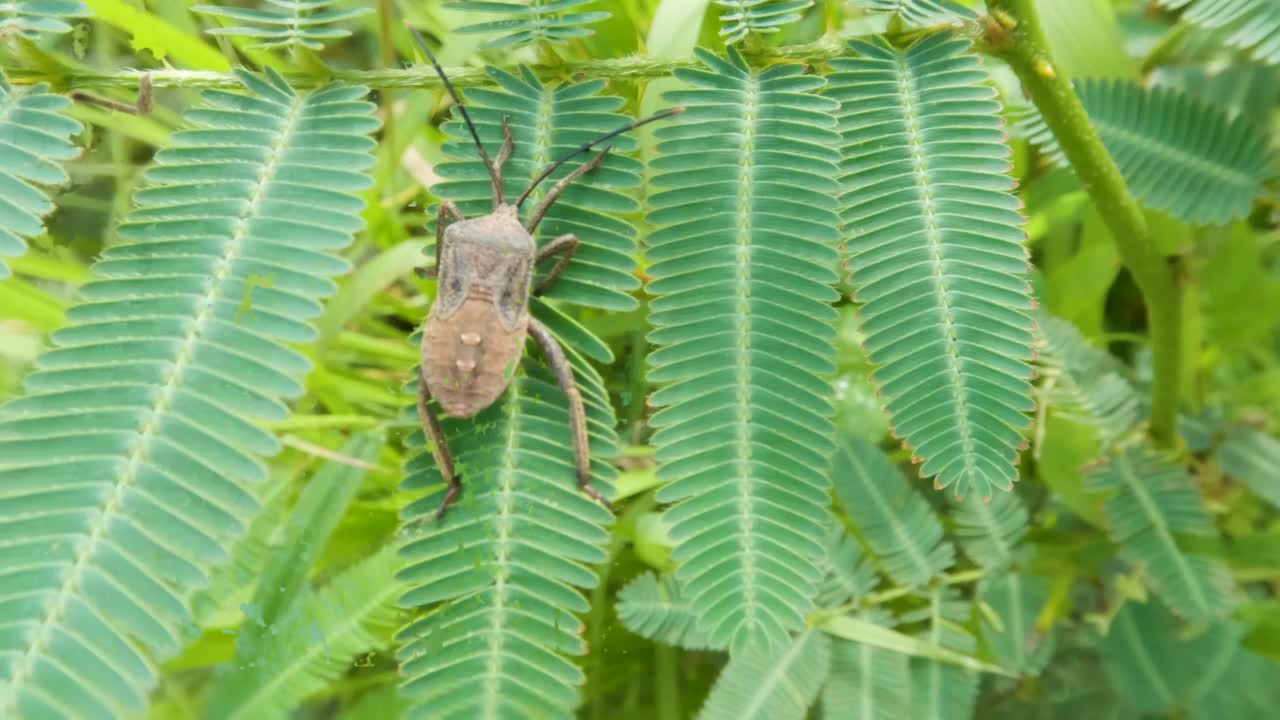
466 365
470 338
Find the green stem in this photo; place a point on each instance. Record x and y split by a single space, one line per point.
387 56
1166 47
1014 33
323 422
419 76
1187 278
667 681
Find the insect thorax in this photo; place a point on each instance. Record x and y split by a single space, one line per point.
488 258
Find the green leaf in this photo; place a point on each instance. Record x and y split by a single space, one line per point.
126 469
1160 671
36 138
503 568
920 13
1176 153
742 17
942 690
1084 39
870 632
866 683
743 267
673 33
1252 458
779 685
935 249
1237 276
285 23
1252 25
1138 652
990 532
315 643
1085 384
1151 501
657 610
849 573
503 571
1017 601
314 517
150 32
531 22
31 18
218 603
899 527
364 285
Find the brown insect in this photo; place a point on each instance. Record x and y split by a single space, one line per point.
476 329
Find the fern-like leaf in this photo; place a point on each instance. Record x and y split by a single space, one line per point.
1176 153
282 578
1138 652
34 137
1252 457
743 264
1160 672
742 17
503 570
285 23
657 609
940 690
504 566
33 17
779 685
935 248
849 574
920 13
315 642
1252 25
1085 384
866 683
1153 500
125 470
1016 600
897 524
531 21
990 531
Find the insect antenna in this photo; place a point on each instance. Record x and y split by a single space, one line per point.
546 173
494 175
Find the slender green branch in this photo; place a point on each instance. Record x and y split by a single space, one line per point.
1166 47
417 76
1014 33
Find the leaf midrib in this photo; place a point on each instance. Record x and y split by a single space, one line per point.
742 354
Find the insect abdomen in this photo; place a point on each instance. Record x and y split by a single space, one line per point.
468 358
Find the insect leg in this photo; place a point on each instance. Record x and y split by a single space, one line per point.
559 364
554 193
565 246
508 144
141 105
449 210
439 446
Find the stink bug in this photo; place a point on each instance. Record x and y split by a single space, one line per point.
476 329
